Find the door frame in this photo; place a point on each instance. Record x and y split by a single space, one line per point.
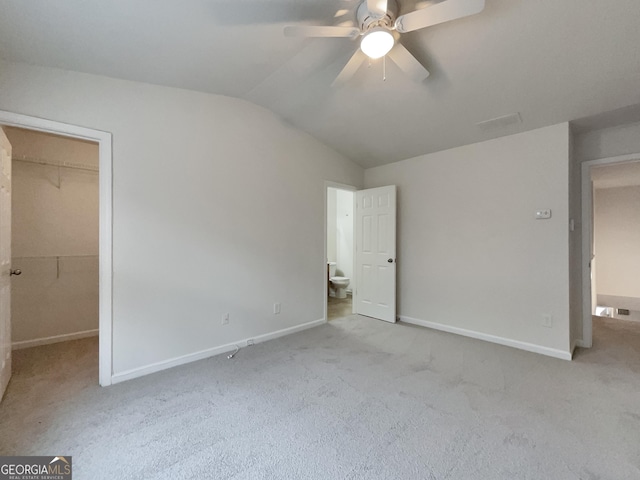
105 252
587 221
340 186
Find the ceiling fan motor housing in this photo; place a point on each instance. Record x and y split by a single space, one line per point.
368 20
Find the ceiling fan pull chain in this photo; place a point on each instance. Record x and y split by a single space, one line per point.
384 68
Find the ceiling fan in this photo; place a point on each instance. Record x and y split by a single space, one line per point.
381 29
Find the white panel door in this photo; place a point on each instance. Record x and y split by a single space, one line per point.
375 294
5 262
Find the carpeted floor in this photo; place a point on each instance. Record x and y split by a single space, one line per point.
352 399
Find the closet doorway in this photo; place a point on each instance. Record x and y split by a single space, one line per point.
54 239
61 237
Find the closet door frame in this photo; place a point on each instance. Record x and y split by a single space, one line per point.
105 252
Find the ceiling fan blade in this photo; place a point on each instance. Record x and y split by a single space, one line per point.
261 12
350 68
438 13
320 31
408 63
377 7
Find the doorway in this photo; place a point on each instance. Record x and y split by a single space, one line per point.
54 238
611 241
102 258
340 201
369 250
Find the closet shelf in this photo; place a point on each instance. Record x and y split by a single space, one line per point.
41 161
55 256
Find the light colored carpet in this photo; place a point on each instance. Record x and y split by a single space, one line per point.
353 399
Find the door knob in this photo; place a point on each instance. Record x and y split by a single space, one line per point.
390 260
17 271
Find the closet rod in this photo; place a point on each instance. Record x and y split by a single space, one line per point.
40 161
57 256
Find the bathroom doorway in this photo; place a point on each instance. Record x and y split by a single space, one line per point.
340 277
610 229
615 244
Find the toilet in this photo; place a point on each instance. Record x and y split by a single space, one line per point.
339 284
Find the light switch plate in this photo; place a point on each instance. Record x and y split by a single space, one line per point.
543 214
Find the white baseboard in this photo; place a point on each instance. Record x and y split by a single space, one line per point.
529 347
55 339
210 352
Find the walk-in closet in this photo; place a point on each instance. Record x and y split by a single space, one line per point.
54 238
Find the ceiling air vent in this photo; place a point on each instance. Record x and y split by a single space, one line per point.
500 122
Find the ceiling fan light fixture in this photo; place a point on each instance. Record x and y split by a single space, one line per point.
377 42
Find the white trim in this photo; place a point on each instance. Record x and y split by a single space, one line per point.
587 219
325 295
210 352
106 222
54 339
529 347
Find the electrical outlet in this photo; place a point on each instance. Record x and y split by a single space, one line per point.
225 319
250 342
547 320
276 308
543 214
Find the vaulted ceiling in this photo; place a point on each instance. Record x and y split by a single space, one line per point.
548 60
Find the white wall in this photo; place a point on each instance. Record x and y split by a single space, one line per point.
617 232
54 238
575 246
340 231
471 255
344 234
607 142
332 224
215 202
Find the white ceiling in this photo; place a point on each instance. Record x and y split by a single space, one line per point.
549 60
613 176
